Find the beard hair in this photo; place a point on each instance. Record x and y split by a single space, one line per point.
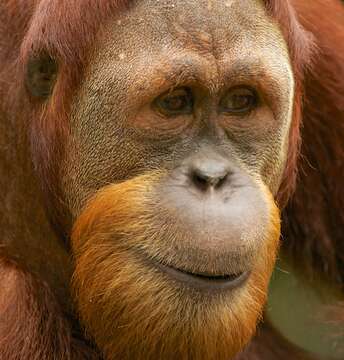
134 311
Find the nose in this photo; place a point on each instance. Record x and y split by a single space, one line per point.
209 174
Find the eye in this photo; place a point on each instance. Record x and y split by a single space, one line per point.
177 102
239 101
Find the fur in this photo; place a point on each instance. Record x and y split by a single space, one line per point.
28 309
107 268
312 221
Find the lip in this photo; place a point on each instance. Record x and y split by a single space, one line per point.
205 282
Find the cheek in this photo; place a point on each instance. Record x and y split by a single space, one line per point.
261 145
98 152
273 167
274 171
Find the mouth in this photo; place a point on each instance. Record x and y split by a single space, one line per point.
204 281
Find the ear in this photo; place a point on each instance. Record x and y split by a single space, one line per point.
41 75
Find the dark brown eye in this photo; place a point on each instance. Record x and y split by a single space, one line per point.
176 102
239 101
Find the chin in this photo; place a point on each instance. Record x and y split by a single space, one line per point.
152 282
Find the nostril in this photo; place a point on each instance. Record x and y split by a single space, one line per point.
201 181
220 181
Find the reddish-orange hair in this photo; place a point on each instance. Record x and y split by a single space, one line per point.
66 29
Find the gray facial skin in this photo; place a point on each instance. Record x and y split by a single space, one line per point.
209 47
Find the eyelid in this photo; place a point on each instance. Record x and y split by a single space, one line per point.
184 91
240 112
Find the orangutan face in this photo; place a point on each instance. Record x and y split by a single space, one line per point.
178 143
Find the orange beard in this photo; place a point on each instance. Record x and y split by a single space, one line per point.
134 311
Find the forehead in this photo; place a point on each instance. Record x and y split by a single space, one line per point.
212 26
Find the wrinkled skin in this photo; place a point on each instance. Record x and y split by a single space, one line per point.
177 146
182 46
